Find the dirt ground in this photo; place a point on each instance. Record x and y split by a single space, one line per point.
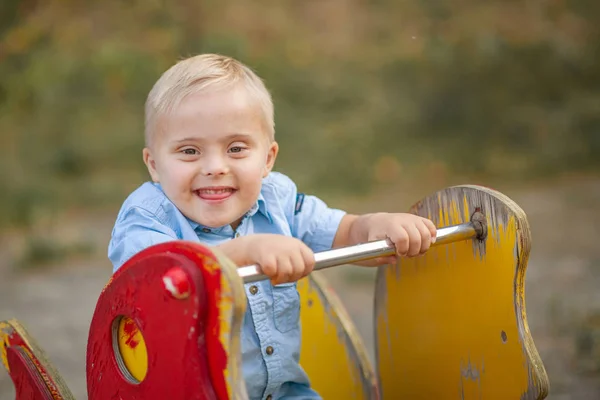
563 301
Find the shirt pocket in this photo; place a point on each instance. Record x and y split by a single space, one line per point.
286 306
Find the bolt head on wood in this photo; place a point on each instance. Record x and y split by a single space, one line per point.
177 283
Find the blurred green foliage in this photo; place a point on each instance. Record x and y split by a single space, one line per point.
362 90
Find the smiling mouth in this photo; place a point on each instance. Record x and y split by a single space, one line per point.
215 194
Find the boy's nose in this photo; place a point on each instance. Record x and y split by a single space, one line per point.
214 166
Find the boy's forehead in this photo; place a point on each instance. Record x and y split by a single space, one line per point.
213 114
214 103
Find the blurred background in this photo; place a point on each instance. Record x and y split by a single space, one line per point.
378 104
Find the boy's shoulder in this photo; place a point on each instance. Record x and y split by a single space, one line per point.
278 186
148 197
279 181
280 192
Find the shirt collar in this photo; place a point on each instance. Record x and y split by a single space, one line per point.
259 206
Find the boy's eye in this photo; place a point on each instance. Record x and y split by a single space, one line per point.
189 152
236 149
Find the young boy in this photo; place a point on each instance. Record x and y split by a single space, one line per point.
210 149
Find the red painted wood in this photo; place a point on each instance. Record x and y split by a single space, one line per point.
185 357
29 384
27 368
177 283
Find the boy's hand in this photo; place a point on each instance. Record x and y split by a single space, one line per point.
411 235
281 258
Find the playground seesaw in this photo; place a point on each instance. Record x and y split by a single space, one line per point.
448 325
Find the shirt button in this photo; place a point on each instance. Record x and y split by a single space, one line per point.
205 230
269 397
269 350
253 289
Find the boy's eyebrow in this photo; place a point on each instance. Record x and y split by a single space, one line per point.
238 136
246 136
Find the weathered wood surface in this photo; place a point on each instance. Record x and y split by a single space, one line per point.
332 354
451 324
33 375
184 306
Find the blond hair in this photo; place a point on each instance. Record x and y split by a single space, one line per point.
194 74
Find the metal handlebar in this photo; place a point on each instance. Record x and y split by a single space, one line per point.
476 228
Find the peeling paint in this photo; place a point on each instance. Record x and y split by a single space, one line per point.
469 370
138 291
176 283
231 303
131 330
33 375
425 306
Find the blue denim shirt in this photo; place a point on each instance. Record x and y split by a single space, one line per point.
148 217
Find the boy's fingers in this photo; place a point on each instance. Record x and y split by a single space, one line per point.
432 228
268 266
401 241
298 266
414 240
309 259
284 270
425 237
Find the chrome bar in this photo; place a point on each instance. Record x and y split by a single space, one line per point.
366 251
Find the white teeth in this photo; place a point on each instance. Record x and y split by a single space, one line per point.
214 191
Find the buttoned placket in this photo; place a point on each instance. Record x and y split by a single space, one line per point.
260 316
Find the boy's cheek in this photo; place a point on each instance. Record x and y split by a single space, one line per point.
250 170
179 171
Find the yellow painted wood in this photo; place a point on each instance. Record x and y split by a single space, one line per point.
4 343
132 348
332 353
451 324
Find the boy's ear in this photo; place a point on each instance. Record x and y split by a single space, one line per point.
271 156
150 164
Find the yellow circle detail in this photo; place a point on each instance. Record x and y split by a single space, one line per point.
132 349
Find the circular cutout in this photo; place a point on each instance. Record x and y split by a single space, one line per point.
130 349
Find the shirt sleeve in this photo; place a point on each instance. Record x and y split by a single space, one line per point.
311 219
134 231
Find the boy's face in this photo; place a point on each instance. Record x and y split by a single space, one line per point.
211 154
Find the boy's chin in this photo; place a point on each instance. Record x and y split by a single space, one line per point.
215 223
